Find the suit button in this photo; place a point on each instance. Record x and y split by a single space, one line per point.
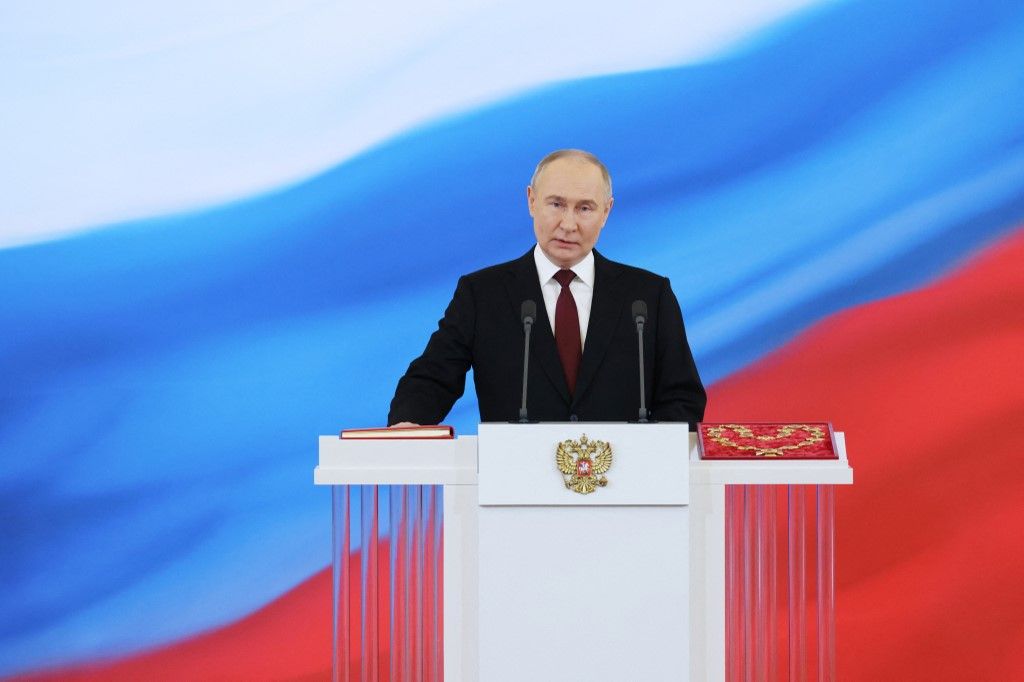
573 418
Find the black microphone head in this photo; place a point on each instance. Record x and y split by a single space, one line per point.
639 311
528 312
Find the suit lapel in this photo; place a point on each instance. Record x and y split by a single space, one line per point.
523 284
605 310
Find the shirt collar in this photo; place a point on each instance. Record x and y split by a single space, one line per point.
584 270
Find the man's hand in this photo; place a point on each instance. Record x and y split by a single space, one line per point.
401 424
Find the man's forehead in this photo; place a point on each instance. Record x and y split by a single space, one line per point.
571 178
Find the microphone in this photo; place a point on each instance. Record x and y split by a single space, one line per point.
639 319
528 313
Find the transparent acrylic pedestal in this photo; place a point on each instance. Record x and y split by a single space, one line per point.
780 582
387 599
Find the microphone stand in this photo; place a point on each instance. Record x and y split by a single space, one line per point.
529 311
643 398
640 317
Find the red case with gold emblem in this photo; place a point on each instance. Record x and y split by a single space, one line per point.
767 440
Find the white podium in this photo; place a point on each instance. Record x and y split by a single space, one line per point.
583 586
469 559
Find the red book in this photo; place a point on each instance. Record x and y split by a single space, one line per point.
767 440
399 433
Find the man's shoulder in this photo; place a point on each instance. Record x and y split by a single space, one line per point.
629 272
500 271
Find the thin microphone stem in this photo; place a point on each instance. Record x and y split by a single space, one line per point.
640 347
528 327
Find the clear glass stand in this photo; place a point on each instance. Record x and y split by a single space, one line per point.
387 583
780 629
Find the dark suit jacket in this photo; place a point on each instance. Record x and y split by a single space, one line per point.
482 328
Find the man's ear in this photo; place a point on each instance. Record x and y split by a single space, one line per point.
529 198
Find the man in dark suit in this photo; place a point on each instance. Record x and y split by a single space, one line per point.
584 362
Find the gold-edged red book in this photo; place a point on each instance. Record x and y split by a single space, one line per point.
767 440
400 433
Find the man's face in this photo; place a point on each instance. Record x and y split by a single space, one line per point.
569 205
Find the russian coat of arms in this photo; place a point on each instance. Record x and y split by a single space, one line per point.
583 463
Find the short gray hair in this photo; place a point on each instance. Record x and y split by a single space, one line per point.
574 153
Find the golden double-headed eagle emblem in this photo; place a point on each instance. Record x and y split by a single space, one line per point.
583 463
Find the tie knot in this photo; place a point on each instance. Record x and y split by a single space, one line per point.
563 277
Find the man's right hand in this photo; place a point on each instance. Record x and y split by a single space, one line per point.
401 424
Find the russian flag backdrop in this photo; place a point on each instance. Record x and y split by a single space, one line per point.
227 227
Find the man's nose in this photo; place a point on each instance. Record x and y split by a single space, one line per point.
568 222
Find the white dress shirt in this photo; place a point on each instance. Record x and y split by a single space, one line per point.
581 288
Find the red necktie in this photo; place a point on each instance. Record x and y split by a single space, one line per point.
567 330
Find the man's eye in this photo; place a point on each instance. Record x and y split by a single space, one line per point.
585 208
